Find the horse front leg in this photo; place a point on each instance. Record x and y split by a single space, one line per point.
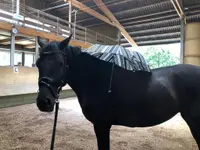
103 136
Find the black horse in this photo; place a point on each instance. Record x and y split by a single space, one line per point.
136 99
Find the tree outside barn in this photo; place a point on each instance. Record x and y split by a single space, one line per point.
160 57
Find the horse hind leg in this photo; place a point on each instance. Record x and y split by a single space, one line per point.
192 118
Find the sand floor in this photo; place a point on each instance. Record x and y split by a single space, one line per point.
26 128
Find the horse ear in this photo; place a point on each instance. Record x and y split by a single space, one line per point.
41 41
65 42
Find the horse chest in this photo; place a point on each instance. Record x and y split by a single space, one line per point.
94 108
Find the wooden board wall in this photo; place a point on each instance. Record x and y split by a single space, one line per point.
23 82
15 100
192 44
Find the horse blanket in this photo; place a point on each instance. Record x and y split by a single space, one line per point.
127 59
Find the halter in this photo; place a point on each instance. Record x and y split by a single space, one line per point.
48 82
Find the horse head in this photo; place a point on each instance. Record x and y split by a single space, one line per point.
53 71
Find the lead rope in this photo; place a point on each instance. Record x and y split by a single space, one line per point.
110 85
54 126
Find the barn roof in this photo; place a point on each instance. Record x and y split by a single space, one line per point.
148 22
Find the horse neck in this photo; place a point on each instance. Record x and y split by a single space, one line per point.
86 72
75 76
72 52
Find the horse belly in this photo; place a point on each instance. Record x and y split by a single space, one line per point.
141 122
142 116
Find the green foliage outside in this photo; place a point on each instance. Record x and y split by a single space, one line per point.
160 58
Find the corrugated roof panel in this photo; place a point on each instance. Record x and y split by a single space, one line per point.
162 30
153 25
126 13
155 37
147 21
131 4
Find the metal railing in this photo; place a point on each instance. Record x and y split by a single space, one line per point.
41 21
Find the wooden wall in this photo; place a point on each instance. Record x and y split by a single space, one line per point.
15 100
192 44
20 88
23 82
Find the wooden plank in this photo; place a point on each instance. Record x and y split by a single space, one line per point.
90 11
15 100
5 26
23 82
50 36
80 38
5 41
8 40
92 40
92 36
29 45
109 14
176 8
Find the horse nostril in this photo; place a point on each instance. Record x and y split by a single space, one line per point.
48 102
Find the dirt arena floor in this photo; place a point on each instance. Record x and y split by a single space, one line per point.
26 128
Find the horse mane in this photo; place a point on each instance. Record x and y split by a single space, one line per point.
75 51
72 51
53 46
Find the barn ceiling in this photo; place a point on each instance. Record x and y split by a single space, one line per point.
149 22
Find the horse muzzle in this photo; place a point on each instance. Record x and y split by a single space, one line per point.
45 104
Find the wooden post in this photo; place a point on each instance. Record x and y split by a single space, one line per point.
36 50
23 58
12 50
182 48
70 13
119 37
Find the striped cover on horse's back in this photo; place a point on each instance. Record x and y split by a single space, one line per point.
127 59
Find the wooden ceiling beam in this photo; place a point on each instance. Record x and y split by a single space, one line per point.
178 9
114 20
33 33
107 12
90 11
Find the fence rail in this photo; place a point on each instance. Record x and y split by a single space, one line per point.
34 18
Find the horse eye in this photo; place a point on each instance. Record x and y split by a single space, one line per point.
61 63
